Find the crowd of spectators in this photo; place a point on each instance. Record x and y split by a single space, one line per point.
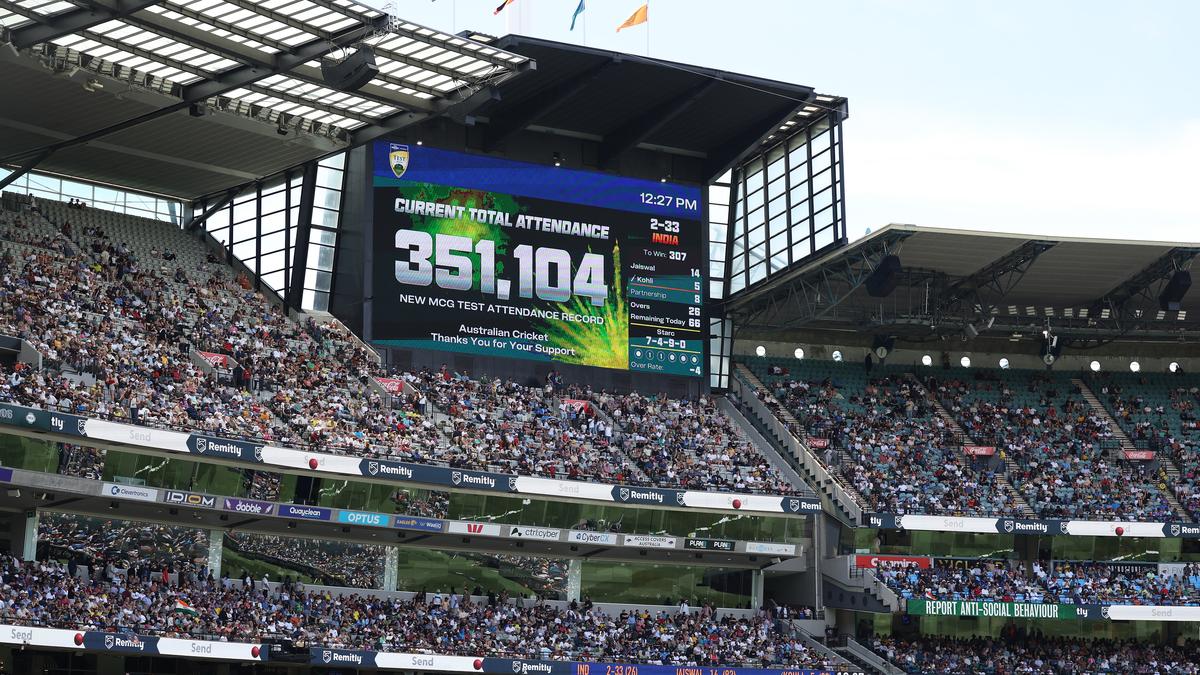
88 540
121 311
427 503
520 428
1066 457
1042 582
331 563
1019 653
45 593
81 461
887 443
1160 414
91 541
689 443
544 578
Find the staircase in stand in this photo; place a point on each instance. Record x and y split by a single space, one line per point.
1165 464
617 447
1023 507
789 420
746 430
832 656
1099 409
871 662
786 437
960 436
1169 477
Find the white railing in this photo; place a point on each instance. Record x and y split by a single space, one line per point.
841 569
800 451
870 658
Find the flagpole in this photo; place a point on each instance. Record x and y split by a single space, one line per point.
647 28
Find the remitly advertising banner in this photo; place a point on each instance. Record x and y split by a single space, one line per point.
203 445
497 666
130 643
1031 526
490 256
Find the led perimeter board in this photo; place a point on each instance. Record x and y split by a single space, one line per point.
495 257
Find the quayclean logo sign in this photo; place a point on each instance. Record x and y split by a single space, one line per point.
305 512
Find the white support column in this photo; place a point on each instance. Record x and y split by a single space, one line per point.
216 551
756 589
818 555
29 546
391 568
574 579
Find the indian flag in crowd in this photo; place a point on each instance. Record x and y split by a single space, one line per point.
183 607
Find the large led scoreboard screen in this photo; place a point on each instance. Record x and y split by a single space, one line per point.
494 257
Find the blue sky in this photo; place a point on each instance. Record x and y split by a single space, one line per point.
1066 118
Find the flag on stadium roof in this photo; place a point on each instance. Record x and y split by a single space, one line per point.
503 4
578 11
641 15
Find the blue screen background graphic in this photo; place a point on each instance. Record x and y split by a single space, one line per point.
562 184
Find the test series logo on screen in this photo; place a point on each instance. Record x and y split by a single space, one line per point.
398 159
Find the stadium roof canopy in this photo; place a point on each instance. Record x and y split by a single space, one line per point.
102 89
191 98
623 101
959 281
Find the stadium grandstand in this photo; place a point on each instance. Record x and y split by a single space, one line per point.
333 343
